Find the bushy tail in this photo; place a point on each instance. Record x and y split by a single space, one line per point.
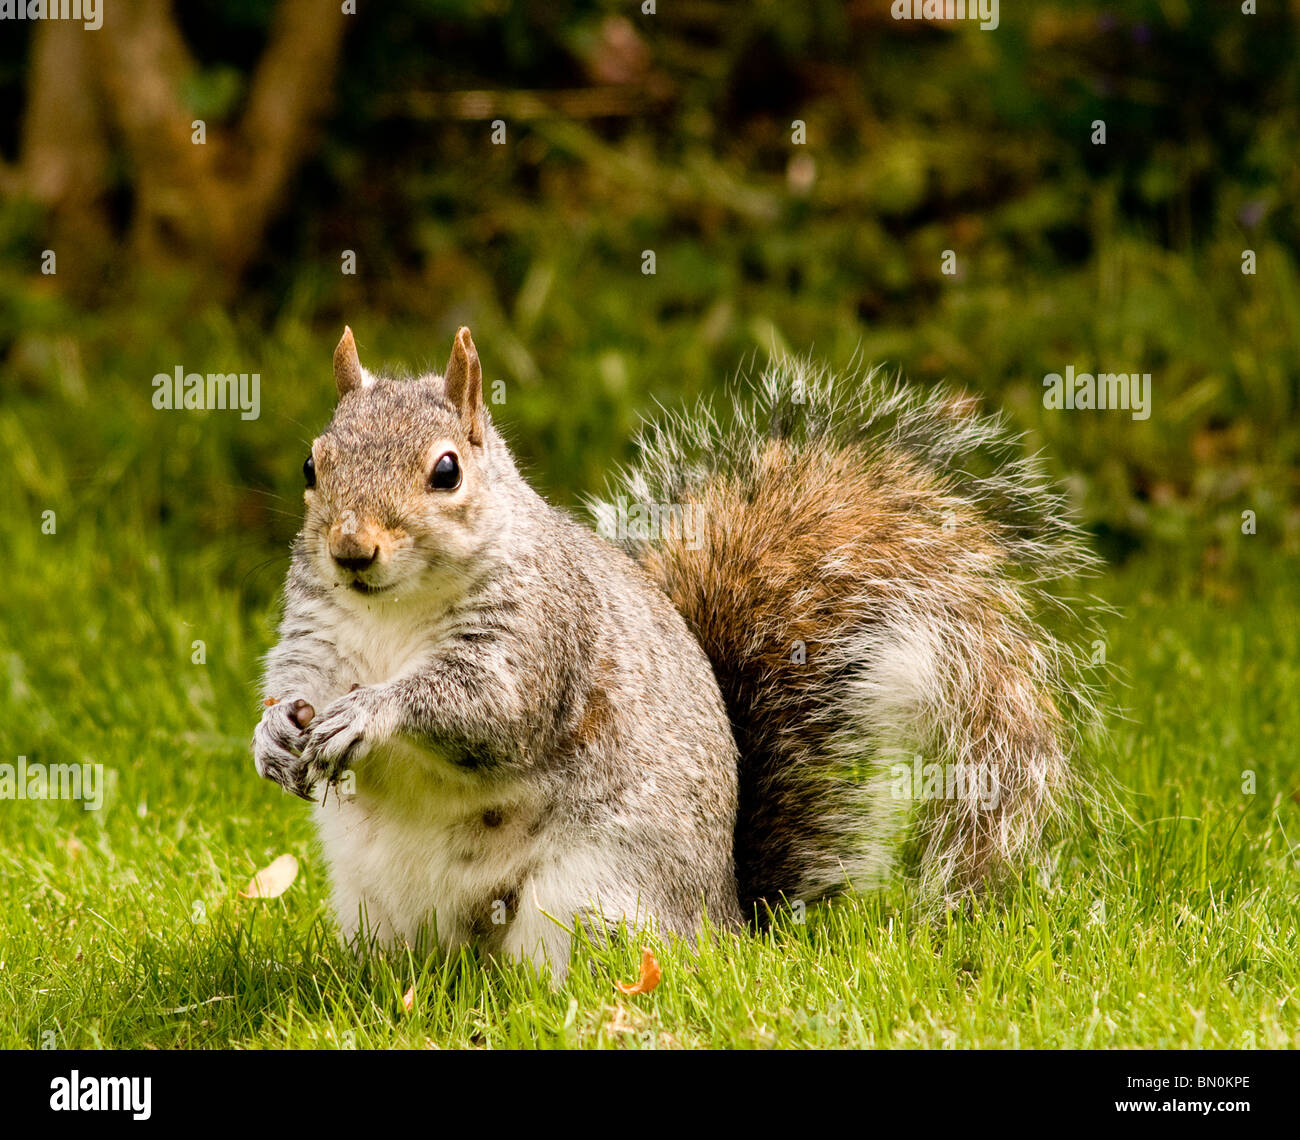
869 568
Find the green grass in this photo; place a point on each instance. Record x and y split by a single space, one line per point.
124 927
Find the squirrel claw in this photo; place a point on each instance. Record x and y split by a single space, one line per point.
277 744
337 737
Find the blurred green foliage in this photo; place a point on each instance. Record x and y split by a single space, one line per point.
920 139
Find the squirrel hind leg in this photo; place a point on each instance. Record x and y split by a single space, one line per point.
553 903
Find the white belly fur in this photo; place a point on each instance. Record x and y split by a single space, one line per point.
398 848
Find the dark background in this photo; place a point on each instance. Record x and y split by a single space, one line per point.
669 132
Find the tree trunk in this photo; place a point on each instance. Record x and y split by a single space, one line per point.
198 208
207 206
64 156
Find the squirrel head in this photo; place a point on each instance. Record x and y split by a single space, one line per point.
399 485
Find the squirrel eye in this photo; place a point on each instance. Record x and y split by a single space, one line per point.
446 473
309 472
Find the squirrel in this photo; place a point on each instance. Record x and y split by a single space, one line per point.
529 726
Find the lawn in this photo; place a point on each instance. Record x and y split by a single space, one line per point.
124 927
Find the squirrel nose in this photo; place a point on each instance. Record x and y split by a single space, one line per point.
355 563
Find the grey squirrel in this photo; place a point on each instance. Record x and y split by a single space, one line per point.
529 728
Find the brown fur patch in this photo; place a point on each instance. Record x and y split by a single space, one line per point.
598 712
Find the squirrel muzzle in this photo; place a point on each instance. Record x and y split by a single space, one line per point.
356 547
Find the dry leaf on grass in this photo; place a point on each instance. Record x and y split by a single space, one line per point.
408 999
271 882
650 975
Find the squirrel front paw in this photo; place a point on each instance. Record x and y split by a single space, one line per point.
278 742
343 734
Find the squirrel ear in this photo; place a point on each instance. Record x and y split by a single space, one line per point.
347 365
465 384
